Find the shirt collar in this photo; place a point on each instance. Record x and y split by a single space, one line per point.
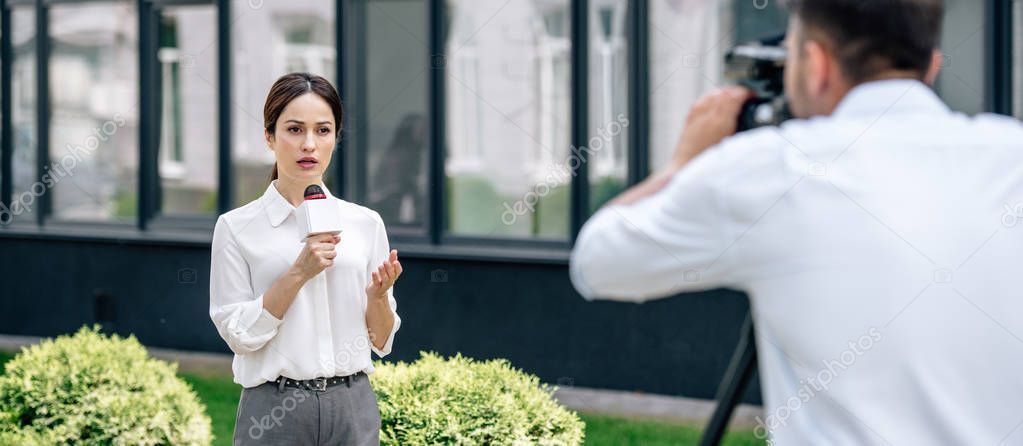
889 96
277 207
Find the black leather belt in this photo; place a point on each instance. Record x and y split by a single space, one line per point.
317 384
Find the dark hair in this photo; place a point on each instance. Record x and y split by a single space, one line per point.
871 36
291 86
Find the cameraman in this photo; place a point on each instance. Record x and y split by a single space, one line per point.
872 235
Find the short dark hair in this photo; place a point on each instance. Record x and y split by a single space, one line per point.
870 36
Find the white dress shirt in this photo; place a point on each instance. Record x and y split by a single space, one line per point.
324 332
881 250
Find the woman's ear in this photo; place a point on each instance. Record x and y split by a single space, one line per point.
269 139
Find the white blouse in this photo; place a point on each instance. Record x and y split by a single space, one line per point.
324 331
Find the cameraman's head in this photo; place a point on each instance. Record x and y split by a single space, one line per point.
834 45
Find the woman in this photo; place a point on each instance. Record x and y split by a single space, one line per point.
302 316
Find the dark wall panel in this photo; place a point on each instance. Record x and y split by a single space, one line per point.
527 313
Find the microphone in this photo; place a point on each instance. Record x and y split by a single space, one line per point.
317 215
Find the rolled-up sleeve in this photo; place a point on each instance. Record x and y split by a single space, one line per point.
664 244
237 313
380 252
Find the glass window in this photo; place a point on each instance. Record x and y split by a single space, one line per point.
609 95
23 115
188 110
394 129
94 111
961 79
508 122
1017 58
5 216
688 41
271 38
686 48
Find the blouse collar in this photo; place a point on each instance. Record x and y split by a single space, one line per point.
277 207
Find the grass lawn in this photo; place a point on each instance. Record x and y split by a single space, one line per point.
220 394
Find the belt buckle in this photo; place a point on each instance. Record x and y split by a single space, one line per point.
319 384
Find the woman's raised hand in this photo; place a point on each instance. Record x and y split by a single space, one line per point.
384 277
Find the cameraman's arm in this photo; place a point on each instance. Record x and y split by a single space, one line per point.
663 236
710 120
671 241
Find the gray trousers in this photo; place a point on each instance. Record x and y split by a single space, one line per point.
340 415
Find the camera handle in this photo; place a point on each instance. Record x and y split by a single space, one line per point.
733 384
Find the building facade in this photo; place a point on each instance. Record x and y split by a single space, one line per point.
485 132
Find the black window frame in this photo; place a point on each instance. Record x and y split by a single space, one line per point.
433 232
352 82
150 109
349 167
6 124
44 216
998 23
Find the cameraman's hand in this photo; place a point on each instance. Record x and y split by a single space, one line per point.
710 120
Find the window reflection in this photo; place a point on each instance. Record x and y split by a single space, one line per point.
508 91
24 203
271 38
960 82
188 110
609 93
94 120
1017 58
395 105
687 41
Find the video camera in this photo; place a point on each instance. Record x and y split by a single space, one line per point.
760 66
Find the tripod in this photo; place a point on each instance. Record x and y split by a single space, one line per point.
733 384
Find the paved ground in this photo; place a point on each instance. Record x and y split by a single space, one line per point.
610 402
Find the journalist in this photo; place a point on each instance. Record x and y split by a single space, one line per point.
877 235
303 314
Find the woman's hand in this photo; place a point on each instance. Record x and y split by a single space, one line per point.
384 277
318 254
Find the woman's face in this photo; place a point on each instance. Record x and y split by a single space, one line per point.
303 140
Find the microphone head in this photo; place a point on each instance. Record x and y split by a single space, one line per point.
314 192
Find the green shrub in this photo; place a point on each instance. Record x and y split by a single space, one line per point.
91 389
25 437
459 401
